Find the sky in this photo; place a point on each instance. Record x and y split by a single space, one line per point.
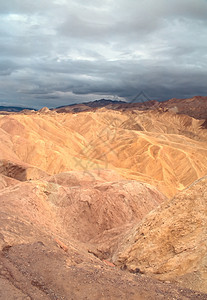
59 52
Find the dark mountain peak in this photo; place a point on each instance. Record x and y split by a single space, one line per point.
92 104
103 102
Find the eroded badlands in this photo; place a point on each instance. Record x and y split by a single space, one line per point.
100 204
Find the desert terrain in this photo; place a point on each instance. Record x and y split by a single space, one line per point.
104 202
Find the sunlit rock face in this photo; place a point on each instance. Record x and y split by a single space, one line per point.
170 243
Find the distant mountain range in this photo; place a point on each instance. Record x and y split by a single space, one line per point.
110 104
195 107
14 108
96 103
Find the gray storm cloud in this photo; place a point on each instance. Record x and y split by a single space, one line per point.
60 52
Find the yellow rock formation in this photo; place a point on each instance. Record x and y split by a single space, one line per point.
166 150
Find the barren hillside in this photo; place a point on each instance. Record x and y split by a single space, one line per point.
170 242
75 189
166 150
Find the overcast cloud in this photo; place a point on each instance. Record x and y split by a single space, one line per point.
56 52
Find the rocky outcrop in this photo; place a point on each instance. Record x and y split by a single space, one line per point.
171 241
20 171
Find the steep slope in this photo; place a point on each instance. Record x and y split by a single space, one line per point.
170 243
160 148
39 140
166 150
42 226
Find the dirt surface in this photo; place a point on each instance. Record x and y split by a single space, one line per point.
45 271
